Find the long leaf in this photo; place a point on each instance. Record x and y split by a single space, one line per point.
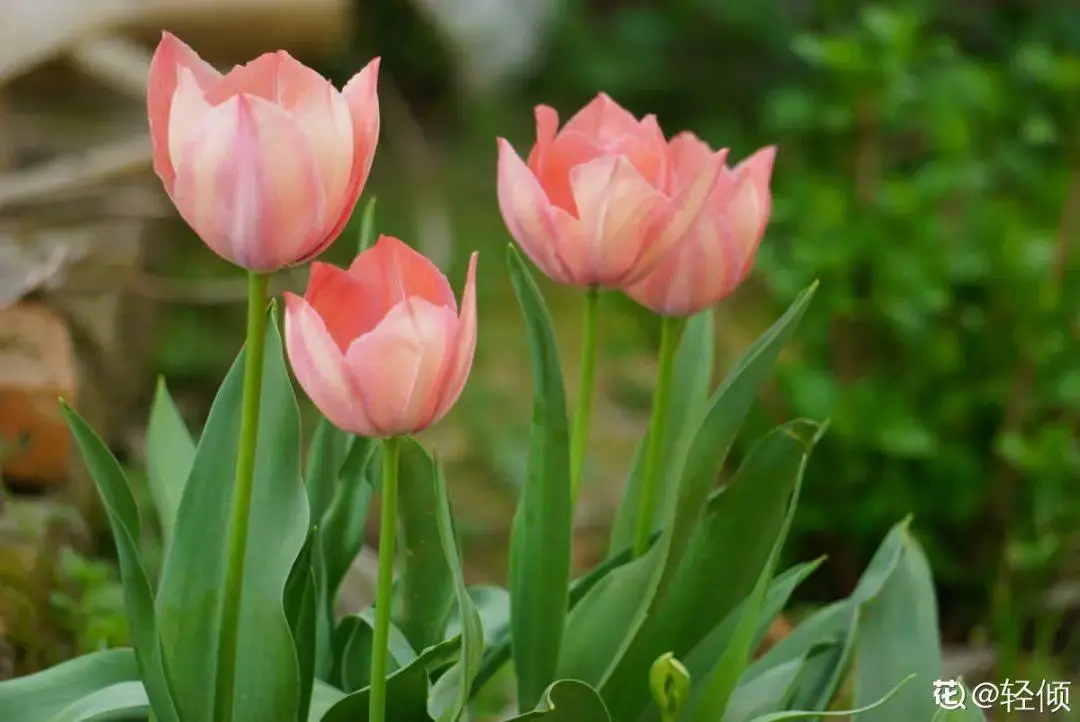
170 451
352 650
120 701
406 689
424 594
340 538
749 515
450 695
300 602
899 635
806 714
325 455
628 599
793 443
568 700
43 695
123 514
191 602
542 527
691 378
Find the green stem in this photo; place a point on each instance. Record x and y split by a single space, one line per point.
669 342
579 435
242 490
380 645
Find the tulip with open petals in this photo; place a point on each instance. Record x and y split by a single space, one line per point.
598 202
266 162
720 248
380 348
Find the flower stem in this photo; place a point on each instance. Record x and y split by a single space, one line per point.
380 645
242 491
669 342
579 435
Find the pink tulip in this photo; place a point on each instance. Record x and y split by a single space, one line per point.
599 202
266 162
380 348
721 246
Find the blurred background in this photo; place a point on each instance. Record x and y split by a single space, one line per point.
928 174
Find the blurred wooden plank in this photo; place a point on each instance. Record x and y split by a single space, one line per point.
35 31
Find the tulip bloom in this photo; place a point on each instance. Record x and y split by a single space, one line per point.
380 348
266 162
599 202
721 246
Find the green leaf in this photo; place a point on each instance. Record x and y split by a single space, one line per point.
323 471
705 653
747 514
340 539
606 624
833 630
41 696
498 634
300 602
450 695
322 467
367 226
123 514
170 451
825 641
345 519
568 700
899 635
406 689
804 714
191 602
542 527
691 379
117 701
785 457
352 656
769 692
323 697
424 593
724 418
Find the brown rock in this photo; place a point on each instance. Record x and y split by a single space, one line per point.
37 367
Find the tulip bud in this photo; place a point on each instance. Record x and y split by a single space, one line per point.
597 202
720 247
266 162
380 348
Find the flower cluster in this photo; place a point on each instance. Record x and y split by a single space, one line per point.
266 163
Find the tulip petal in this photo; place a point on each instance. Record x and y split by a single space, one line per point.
616 205
324 117
397 365
188 109
459 360
170 56
603 118
751 201
249 185
390 272
675 220
338 299
528 213
361 94
319 366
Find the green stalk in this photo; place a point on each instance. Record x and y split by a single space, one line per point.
242 491
579 435
380 646
669 342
